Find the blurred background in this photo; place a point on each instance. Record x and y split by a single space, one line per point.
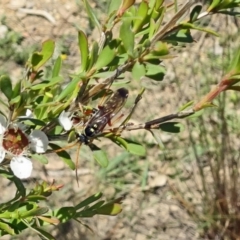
171 193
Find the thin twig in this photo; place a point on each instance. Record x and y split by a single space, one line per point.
153 124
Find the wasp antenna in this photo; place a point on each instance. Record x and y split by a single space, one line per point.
67 147
76 163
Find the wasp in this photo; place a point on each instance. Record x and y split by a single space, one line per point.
103 115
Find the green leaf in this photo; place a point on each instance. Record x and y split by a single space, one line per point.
63 155
152 27
64 214
19 185
159 21
155 72
114 6
138 71
92 15
89 200
41 158
46 84
99 155
15 100
6 227
140 17
96 205
32 121
192 26
124 6
83 46
110 209
160 49
135 148
127 36
38 59
131 146
214 4
182 36
195 13
6 86
93 55
118 140
234 65
188 104
70 90
34 212
172 127
57 67
105 57
36 198
17 89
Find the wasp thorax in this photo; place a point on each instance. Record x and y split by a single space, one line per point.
90 130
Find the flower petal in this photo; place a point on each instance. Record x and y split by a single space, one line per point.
65 121
2 154
21 167
38 141
3 124
29 113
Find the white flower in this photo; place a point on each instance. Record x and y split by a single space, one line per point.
65 121
3 124
15 143
38 141
21 167
29 113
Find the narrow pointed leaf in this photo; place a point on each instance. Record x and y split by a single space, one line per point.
213 5
124 6
6 86
92 15
138 71
64 214
192 26
135 148
38 59
140 17
93 55
99 155
105 57
41 158
127 36
83 46
172 127
235 63
17 89
114 6
71 89
35 212
64 156
6 227
188 104
195 12
89 200
155 72
57 67
110 209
